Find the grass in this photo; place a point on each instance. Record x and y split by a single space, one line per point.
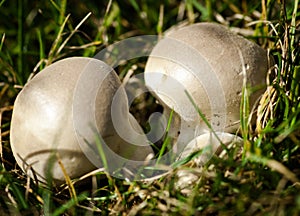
262 180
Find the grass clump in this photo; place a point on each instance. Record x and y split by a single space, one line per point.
263 179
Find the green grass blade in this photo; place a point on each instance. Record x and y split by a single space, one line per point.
167 138
244 113
202 116
72 202
63 5
72 33
202 9
187 159
1 3
293 24
48 205
190 11
19 196
99 143
57 41
61 9
21 39
41 44
209 10
6 178
275 165
135 5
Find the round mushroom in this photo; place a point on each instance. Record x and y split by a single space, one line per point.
211 64
208 144
44 136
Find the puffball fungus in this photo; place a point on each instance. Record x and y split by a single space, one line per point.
212 64
43 137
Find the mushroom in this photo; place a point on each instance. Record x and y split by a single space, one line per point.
66 110
50 120
208 65
209 144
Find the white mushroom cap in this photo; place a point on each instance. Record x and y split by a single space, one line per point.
208 61
209 144
43 123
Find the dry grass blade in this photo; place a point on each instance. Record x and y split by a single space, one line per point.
27 187
279 167
94 43
92 173
265 108
72 33
8 108
37 67
56 41
136 209
1 148
29 190
275 165
68 180
2 41
4 89
11 197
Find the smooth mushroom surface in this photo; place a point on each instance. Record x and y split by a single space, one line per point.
208 144
42 126
212 64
